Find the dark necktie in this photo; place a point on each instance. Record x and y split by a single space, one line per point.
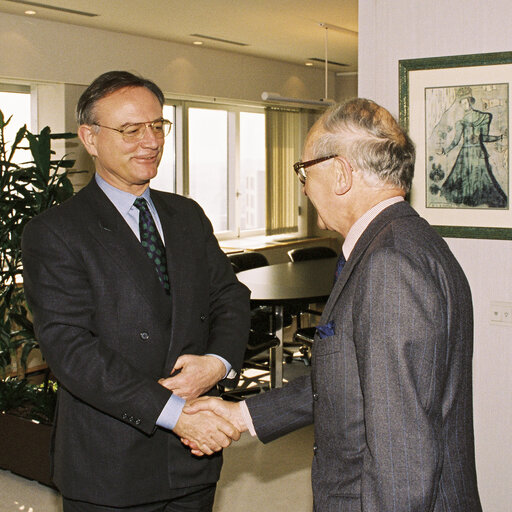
151 241
339 266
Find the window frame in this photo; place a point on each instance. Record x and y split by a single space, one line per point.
233 161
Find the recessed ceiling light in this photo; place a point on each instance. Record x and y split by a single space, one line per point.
30 13
309 63
198 43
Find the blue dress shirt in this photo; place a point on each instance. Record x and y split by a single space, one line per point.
123 201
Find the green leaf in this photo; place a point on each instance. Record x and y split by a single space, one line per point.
66 164
3 123
20 135
66 135
40 149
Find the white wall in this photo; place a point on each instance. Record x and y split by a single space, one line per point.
35 49
407 29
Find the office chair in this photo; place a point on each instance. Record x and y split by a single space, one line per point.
255 358
261 340
311 253
304 336
247 260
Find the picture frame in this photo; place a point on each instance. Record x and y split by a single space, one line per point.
456 110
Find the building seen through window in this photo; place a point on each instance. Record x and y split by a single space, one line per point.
226 168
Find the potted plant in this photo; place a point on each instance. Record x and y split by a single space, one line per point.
26 189
25 428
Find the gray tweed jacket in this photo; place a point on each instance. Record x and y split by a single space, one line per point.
391 391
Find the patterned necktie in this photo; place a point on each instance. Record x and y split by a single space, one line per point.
151 241
339 266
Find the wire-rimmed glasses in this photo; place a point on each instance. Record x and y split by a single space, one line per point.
135 132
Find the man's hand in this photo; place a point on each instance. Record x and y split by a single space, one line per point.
228 410
205 432
198 375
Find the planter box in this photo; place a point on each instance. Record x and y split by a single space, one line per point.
25 448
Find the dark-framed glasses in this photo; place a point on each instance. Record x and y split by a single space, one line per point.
300 167
135 132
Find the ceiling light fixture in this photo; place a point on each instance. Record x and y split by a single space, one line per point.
53 7
275 96
30 13
308 63
325 101
198 43
219 40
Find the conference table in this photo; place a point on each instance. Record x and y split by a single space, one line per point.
303 282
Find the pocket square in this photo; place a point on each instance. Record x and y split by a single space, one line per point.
324 331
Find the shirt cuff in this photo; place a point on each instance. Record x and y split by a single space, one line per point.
230 373
171 412
246 415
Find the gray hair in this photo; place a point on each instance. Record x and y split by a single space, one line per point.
371 140
106 84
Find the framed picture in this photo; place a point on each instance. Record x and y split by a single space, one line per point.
457 111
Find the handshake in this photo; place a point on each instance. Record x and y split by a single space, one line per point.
208 424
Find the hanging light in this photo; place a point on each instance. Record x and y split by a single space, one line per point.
274 96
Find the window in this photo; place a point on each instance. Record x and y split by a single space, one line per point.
208 163
236 162
226 167
15 102
166 178
252 181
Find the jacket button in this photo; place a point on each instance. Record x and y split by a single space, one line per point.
203 318
144 336
315 449
315 396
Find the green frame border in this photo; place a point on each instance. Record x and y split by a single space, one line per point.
454 61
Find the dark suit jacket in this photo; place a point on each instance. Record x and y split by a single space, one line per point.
109 332
390 393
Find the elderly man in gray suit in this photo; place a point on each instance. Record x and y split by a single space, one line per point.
390 392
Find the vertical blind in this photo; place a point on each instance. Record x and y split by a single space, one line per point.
283 132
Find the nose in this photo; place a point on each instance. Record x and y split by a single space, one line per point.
150 140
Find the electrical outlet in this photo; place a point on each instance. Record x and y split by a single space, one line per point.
501 313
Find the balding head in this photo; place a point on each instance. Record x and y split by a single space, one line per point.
368 136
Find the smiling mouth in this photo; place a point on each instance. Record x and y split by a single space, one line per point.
147 157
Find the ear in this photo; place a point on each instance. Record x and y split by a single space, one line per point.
88 137
343 175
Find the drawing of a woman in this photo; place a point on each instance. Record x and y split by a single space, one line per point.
471 181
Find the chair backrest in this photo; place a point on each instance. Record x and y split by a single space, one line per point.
247 260
311 253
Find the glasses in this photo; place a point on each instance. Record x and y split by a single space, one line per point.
300 167
135 132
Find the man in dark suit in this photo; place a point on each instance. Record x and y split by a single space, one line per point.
130 328
390 392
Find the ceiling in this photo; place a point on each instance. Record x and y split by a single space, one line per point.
286 30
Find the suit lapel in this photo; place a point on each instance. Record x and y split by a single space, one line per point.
394 211
175 234
113 233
